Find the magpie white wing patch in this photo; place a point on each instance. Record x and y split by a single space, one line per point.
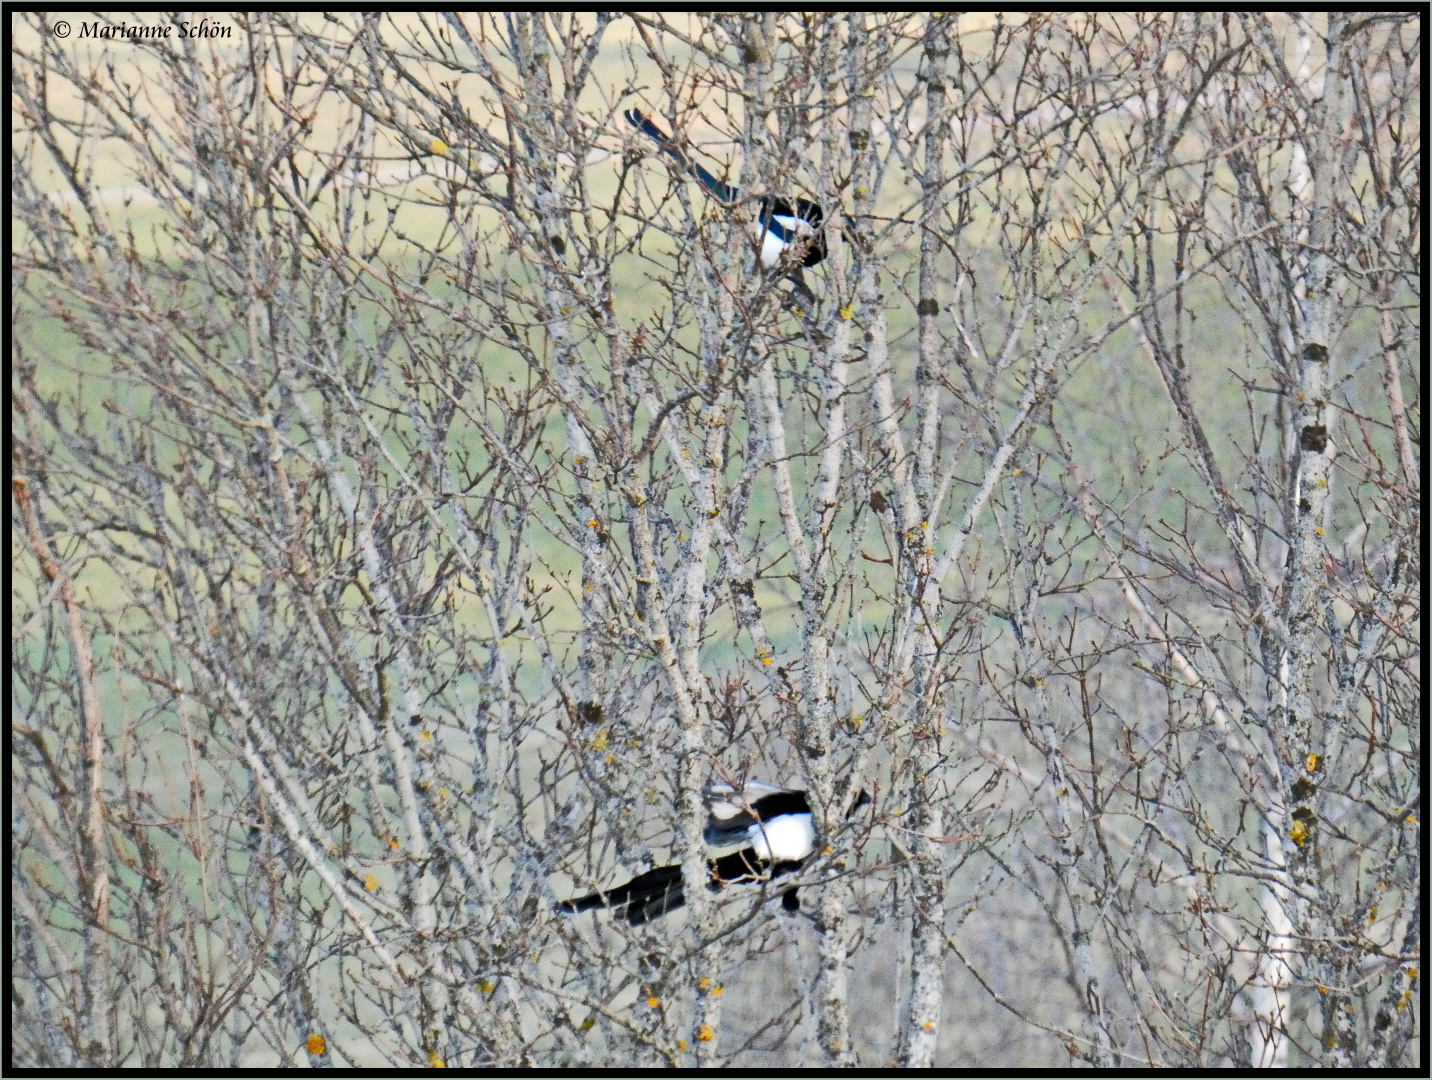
797 225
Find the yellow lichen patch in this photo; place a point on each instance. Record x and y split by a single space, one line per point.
315 1044
1312 762
704 1034
1298 833
704 983
370 883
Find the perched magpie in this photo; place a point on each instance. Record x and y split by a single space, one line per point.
773 822
782 230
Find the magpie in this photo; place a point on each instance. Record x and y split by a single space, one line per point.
775 825
783 230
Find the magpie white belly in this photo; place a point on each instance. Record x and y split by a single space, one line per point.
788 838
773 248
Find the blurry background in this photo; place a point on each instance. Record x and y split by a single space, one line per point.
420 494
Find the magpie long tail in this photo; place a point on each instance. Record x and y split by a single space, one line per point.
641 899
722 191
650 895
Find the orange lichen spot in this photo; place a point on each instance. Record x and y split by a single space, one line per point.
716 991
704 1034
1312 762
681 1045
929 1025
704 983
592 524
315 1044
370 883
653 1001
